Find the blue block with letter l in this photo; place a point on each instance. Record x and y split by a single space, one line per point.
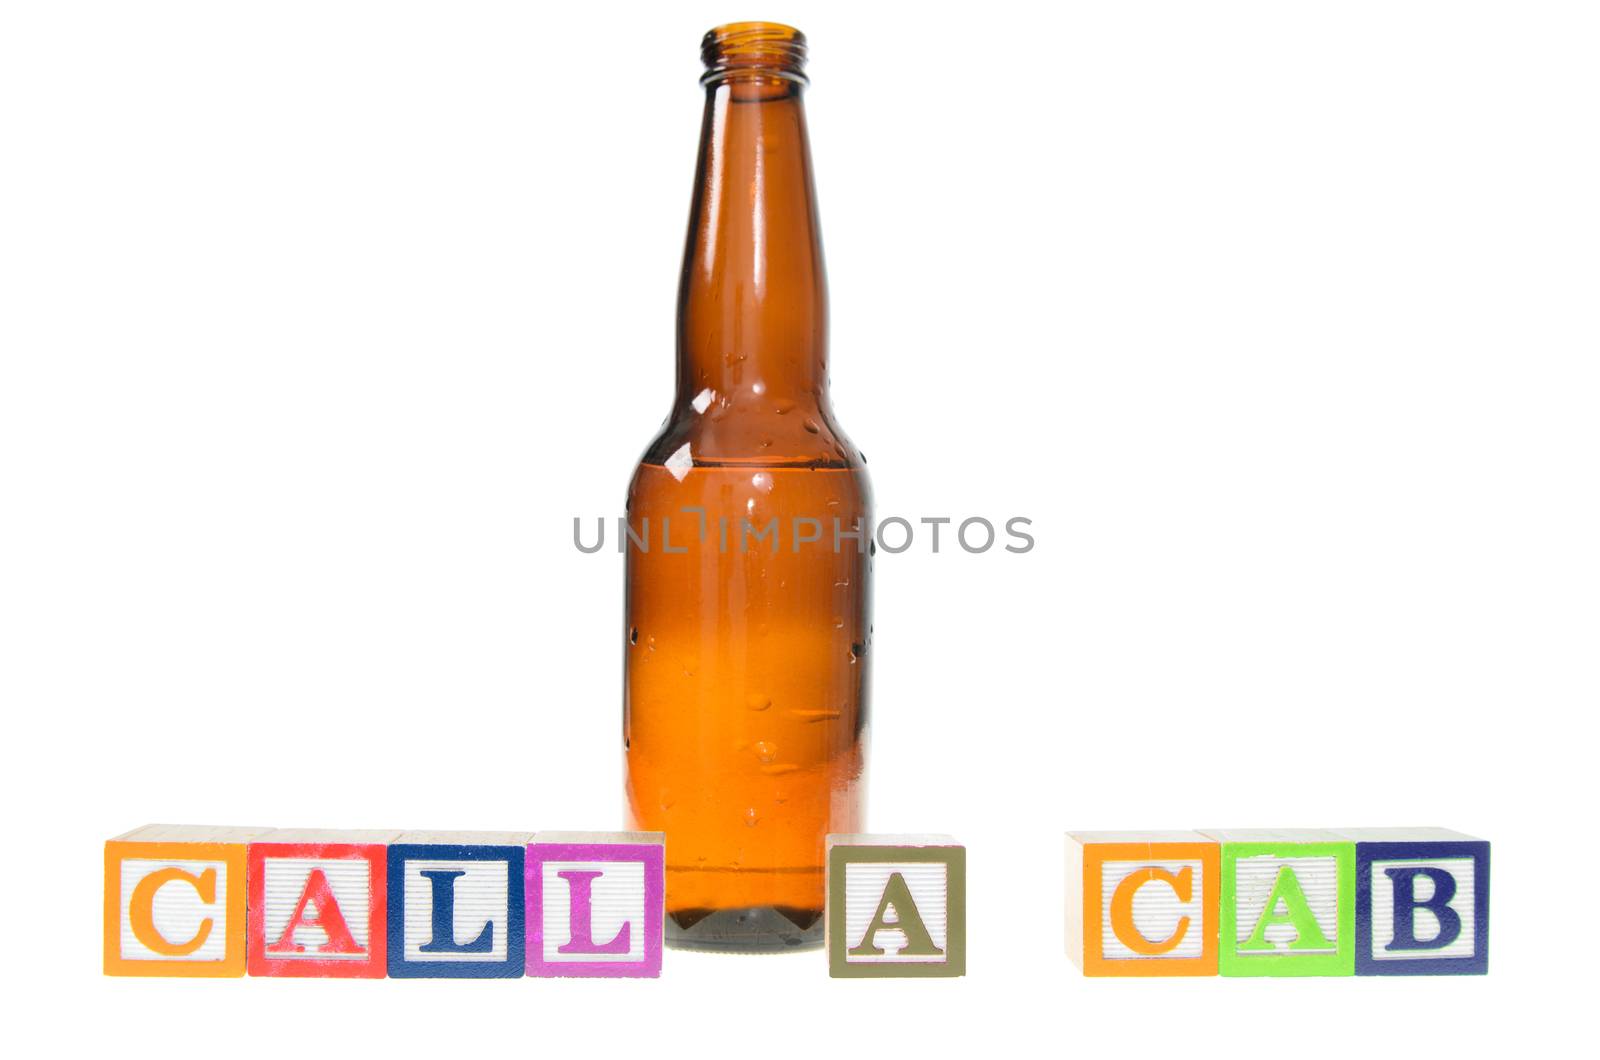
455 905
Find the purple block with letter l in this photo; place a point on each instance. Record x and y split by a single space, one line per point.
596 904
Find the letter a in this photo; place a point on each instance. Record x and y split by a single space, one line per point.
906 919
1296 913
329 918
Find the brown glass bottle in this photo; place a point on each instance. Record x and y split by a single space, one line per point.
745 706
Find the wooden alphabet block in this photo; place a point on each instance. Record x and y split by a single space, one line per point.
896 906
1288 902
456 906
1143 903
317 903
175 901
1422 902
596 904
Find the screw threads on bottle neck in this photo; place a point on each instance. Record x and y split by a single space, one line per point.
753 51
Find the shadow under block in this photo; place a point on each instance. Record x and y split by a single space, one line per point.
1288 902
1143 903
175 901
596 904
1422 902
317 903
455 905
896 907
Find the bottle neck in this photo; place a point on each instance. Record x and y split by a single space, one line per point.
752 304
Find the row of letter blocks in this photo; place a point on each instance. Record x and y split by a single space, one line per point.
197 901
1373 901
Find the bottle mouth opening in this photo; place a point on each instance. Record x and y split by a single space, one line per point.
753 51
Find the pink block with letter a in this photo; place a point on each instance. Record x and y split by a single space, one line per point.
596 904
316 903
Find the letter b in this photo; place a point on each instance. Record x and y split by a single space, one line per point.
1406 904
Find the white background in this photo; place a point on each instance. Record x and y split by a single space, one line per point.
320 322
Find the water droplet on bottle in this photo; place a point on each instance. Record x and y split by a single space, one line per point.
762 481
750 817
784 407
765 750
857 650
633 635
811 425
757 701
778 769
814 716
838 623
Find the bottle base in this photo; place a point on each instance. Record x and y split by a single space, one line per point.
758 929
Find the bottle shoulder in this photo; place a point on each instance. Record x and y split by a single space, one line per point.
754 434
734 491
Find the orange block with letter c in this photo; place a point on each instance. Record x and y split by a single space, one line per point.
175 901
1145 904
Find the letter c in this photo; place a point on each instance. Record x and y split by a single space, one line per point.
141 910
1122 909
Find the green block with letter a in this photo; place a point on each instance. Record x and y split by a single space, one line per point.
1288 902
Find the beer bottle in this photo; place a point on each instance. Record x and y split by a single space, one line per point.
749 540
